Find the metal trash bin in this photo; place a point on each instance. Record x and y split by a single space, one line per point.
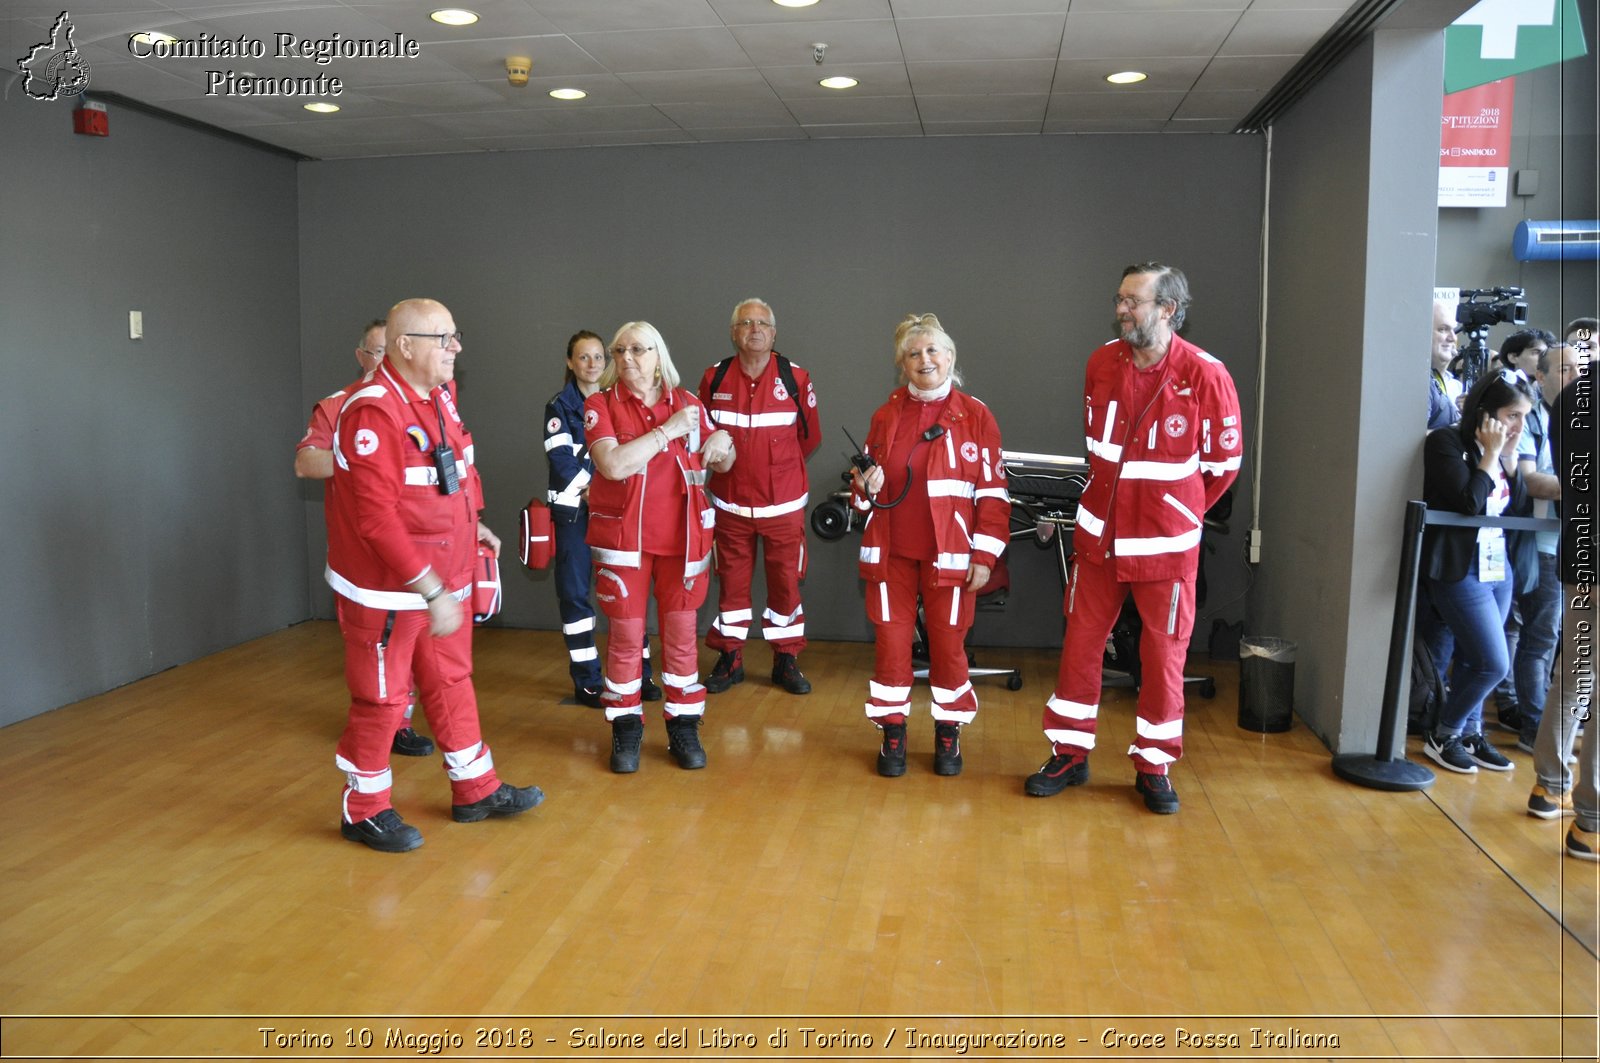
1266 684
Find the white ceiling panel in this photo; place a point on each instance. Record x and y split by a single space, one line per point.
673 71
928 40
675 49
981 77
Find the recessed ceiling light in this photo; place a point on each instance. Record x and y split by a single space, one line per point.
454 16
568 94
794 3
152 36
838 83
1127 77
322 108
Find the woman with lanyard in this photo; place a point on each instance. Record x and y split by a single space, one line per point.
1471 468
571 470
939 518
650 529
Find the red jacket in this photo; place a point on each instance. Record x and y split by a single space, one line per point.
1154 472
617 508
770 437
387 519
966 488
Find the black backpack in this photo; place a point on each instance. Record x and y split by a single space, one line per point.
785 373
1427 691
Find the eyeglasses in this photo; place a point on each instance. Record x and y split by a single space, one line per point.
1120 301
750 322
376 352
441 338
632 351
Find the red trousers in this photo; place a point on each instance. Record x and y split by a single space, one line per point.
783 623
624 597
1093 600
384 653
947 617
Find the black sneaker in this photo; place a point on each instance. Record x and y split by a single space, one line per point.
1059 772
1448 752
586 696
408 743
728 670
892 757
1159 796
385 832
947 749
683 742
627 733
508 800
648 691
1583 844
786 673
1485 755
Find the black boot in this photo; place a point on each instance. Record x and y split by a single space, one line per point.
627 733
728 670
786 674
892 757
683 742
947 749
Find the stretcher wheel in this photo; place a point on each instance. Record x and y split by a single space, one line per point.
830 520
1014 681
1208 689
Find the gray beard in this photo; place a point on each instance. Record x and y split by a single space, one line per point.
1136 335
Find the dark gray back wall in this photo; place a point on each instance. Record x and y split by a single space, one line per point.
149 515
1017 243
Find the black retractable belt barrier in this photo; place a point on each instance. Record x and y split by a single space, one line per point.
1383 771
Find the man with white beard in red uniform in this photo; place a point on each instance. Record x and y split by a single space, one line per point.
403 531
767 405
1161 421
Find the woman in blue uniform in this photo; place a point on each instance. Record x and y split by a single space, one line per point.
570 472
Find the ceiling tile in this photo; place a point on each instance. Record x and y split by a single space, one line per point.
904 9
1165 74
497 18
1231 105
1279 32
595 16
1029 108
1253 72
674 49
1112 106
985 128
727 115
699 86
833 132
876 79
785 43
552 56
776 132
754 12
930 40
1197 33
982 76
842 108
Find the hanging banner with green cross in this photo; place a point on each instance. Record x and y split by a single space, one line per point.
1500 38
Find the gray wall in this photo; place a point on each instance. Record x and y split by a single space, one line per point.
1017 243
1353 229
1553 132
148 513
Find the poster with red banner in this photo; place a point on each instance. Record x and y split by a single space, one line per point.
1475 145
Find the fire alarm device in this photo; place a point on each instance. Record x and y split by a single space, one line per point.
90 119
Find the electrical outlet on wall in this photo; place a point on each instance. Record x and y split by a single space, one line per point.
136 324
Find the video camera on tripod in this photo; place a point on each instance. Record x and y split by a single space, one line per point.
1479 310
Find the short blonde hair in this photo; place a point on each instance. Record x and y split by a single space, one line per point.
923 325
669 372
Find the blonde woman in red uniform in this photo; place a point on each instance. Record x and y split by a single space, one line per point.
939 517
650 531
